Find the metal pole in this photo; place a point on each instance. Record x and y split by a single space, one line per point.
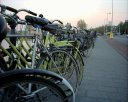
112 18
107 22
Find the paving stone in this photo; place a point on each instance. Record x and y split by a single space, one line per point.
118 96
107 100
97 94
105 76
86 99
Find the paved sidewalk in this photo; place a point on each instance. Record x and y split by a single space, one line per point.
105 76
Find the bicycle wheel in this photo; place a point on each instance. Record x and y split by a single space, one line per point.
30 88
3 66
77 55
78 58
62 63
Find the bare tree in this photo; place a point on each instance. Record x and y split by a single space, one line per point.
81 24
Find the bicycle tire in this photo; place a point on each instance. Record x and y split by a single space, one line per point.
71 75
80 63
10 92
78 58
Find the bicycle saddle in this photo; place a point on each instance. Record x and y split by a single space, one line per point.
3 28
43 22
51 28
37 20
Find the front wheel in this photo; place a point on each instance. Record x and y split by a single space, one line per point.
29 88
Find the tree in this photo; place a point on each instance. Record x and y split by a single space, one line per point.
100 30
81 24
123 27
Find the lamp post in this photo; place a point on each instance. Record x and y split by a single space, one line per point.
112 18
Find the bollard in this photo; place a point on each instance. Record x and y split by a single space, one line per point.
111 35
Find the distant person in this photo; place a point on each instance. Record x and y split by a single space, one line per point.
95 34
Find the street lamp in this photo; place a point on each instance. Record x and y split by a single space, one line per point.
112 18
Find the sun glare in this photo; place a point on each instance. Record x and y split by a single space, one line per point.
64 8
92 11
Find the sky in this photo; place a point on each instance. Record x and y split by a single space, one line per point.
93 12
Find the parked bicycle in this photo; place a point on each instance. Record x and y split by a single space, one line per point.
29 84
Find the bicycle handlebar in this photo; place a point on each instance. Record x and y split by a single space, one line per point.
8 8
28 11
14 17
33 13
57 21
17 11
11 9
